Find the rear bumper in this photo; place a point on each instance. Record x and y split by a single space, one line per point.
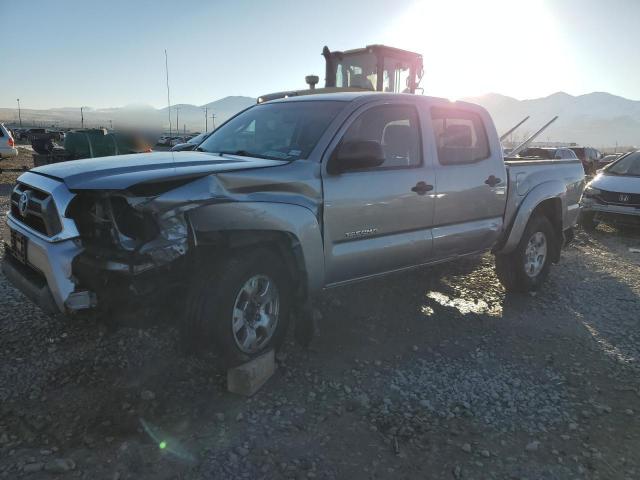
8 152
46 277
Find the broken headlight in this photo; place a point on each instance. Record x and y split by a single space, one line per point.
172 240
591 192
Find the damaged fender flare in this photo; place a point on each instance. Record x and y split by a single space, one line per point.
297 222
554 191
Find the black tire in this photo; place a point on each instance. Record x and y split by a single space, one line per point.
587 221
510 267
211 301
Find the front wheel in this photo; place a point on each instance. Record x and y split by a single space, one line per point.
587 221
242 306
527 267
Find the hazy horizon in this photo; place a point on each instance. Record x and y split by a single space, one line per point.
134 106
113 54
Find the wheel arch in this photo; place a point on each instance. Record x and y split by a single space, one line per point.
548 199
292 231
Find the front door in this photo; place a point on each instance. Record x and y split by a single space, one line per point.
379 219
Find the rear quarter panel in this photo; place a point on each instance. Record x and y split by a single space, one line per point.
531 183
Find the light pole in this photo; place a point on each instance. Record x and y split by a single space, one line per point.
177 122
81 117
213 121
111 124
19 113
206 120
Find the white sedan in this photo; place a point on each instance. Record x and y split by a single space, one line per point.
7 145
614 194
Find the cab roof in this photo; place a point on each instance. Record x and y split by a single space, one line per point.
365 96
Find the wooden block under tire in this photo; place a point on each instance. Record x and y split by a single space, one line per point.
249 377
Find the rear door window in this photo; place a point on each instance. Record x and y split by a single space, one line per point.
460 136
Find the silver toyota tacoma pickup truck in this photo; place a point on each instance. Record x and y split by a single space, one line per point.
286 199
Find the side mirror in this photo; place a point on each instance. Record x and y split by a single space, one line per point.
356 155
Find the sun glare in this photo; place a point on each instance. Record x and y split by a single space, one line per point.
472 47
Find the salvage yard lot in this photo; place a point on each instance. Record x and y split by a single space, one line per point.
435 374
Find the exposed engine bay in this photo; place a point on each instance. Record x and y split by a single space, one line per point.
125 244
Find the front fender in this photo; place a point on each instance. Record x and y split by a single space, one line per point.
295 220
537 195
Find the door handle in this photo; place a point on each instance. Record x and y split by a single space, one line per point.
421 188
492 181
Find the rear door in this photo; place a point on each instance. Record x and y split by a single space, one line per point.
471 181
379 219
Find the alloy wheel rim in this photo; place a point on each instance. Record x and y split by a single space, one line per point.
535 254
255 313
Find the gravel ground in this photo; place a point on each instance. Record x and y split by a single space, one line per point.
435 374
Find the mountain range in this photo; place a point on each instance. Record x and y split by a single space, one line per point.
596 119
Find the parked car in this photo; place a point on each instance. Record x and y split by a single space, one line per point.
589 158
177 140
30 132
285 199
607 159
163 140
190 144
549 153
614 194
7 144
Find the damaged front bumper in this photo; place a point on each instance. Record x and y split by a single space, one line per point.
66 272
43 273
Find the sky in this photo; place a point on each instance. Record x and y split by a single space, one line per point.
96 53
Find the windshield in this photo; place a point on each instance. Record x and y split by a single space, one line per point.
627 165
278 131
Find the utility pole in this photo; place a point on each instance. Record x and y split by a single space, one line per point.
166 67
81 117
213 121
111 124
206 120
177 121
19 113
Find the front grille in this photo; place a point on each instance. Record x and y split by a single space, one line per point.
617 198
35 209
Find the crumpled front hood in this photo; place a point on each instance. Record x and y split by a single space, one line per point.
124 171
616 183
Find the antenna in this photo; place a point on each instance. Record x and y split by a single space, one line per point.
528 141
506 134
166 67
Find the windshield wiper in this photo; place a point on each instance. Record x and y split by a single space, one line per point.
245 153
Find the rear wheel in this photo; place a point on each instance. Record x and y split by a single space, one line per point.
241 307
527 267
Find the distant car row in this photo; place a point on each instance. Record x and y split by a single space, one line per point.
182 143
592 159
29 133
